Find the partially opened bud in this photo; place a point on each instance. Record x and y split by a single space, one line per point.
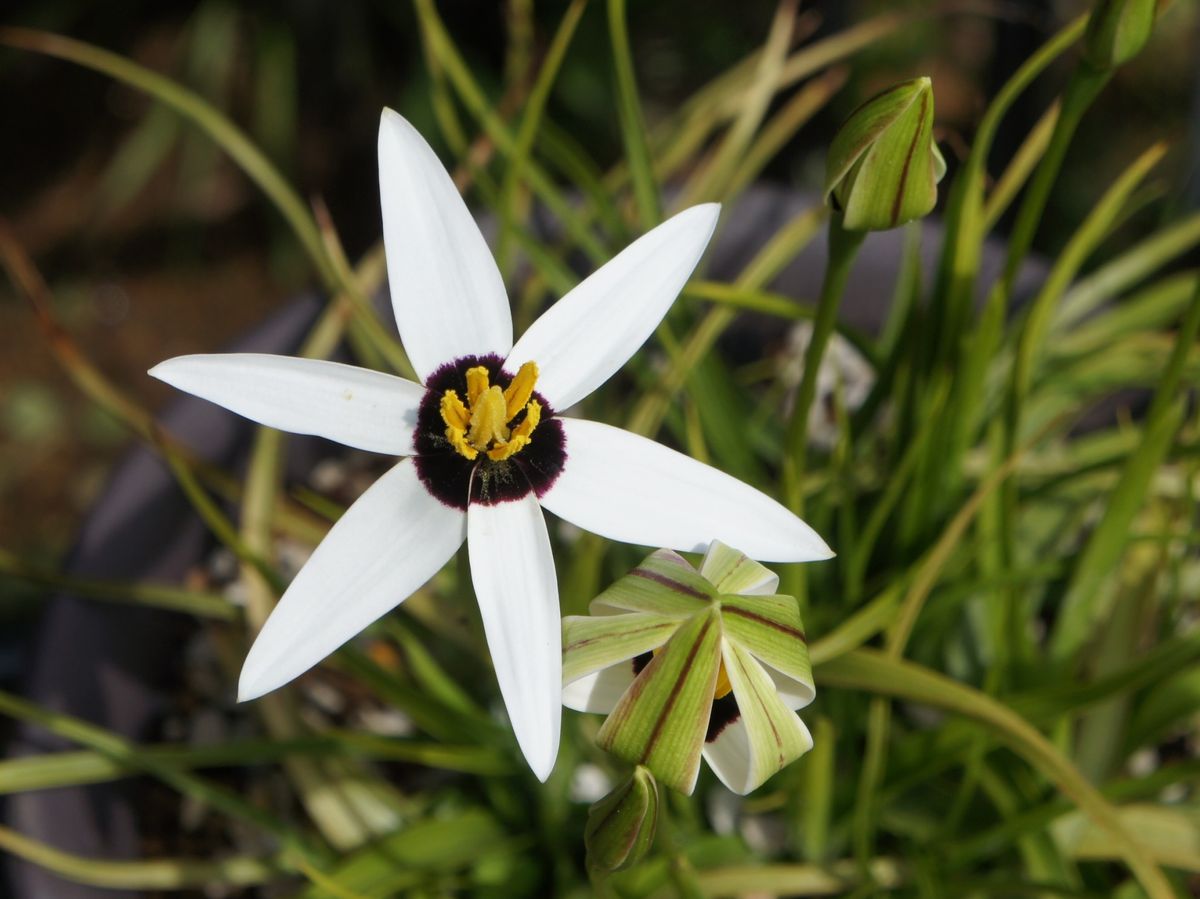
1117 31
883 166
620 827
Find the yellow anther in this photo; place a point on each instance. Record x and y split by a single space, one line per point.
521 389
477 383
488 419
520 436
724 687
458 440
533 415
454 413
457 418
482 423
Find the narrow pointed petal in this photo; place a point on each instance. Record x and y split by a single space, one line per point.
764 737
769 628
731 571
447 293
390 542
661 719
625 487
354 406
580 341
593 644
662 584
512 568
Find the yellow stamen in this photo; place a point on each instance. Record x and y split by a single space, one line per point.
454 413
482 424
457 419
724 687
477 383
520 436
521 389
488 419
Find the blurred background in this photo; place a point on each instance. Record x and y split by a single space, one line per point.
156 245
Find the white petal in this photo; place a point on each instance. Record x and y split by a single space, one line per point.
389 543
354 406
731 754
580 341
731 760
795 694
447 293
625 487
513 571
599 691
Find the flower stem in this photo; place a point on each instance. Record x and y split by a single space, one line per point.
1083 88
843 247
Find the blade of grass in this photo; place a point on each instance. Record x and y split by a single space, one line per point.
150 874
1115 275
443 49
1082 90
794 114
79 767
1080 608
713 178
123 752
531 119
884 873
159 596
633 127
196 110
650 410
1009 184
876 673
97 387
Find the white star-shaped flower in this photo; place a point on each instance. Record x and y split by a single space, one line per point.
488 446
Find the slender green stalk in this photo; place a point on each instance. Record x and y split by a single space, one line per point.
633 128
1085 85
1024 161
843 247
159 596
531 120
965 213
149 874
820 775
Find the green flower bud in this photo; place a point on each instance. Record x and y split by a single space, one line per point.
620 827
883 166
1117 31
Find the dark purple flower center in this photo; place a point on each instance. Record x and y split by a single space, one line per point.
457 481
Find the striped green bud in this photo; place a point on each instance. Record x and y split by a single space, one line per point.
620 827
1117 31
883 166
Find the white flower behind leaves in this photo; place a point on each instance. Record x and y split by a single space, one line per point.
691 664
488 446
